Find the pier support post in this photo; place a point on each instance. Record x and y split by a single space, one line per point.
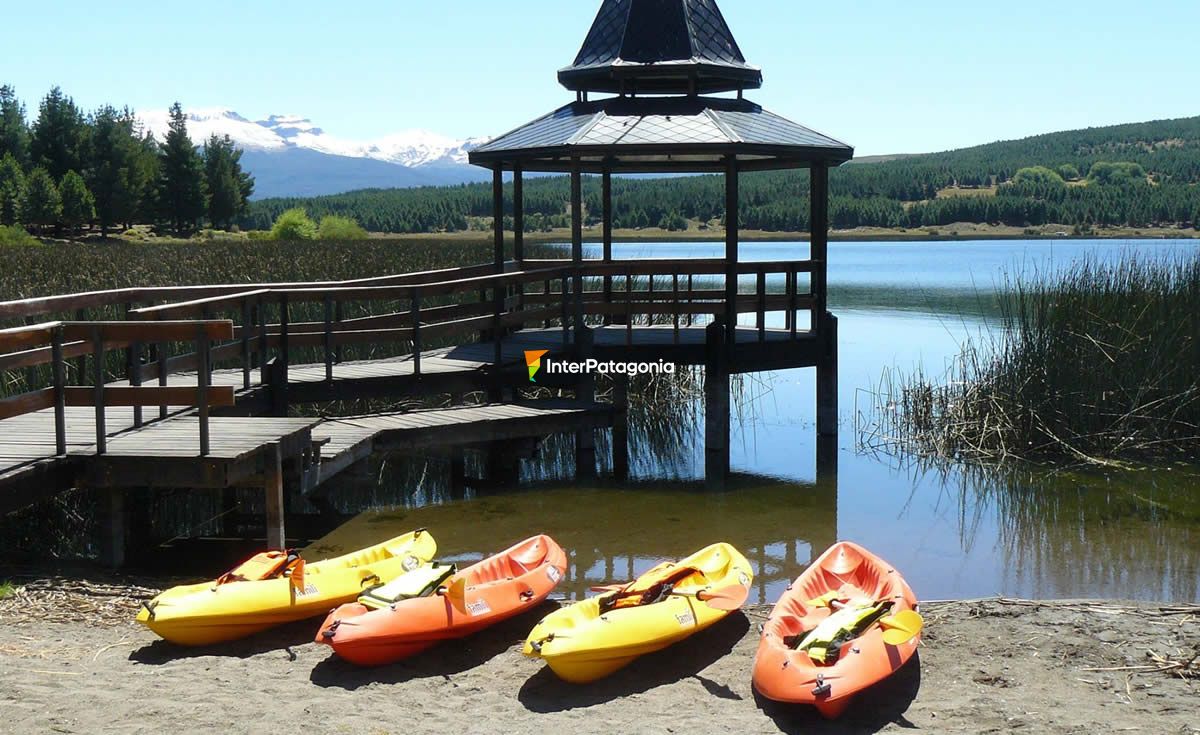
827 459
620 431
111 517
503 464
716 407
585 391
273 488
827 379
458 473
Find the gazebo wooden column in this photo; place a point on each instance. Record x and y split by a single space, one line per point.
731 250
519 216
607 226
498 217
577 240
585 389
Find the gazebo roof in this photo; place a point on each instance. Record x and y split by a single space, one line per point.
660 134
660 46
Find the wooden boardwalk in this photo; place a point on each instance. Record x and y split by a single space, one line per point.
161 416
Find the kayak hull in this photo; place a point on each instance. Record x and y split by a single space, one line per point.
583 643
209 613
497 588
848 572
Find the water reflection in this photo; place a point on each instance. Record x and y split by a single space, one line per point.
617 532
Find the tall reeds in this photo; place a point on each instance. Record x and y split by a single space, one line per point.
1098 362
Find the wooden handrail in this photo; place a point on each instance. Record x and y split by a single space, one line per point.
115 297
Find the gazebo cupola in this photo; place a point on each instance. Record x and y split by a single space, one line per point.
662 63
660 46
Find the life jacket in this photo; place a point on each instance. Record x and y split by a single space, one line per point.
824 642
267 565
420 582
653 586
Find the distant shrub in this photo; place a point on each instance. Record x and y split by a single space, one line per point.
673 221
1103 172
15 235
1068 172
294 224
334 227
258 235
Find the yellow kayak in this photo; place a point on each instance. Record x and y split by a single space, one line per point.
593 638
278 587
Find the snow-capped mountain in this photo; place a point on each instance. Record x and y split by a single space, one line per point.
290 156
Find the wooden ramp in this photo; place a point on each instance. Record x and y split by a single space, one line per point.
346 441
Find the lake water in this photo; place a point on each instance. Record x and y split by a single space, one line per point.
953 532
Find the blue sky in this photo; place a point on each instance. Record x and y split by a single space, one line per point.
886 77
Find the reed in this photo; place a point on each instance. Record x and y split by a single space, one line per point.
1096 363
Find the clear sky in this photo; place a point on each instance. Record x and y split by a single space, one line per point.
886 77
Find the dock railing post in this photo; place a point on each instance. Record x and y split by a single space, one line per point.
247 320
133 368
328 338
98 389
59 369
416 331
203 358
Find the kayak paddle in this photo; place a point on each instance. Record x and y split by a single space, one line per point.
901 627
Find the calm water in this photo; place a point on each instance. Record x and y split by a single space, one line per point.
953 533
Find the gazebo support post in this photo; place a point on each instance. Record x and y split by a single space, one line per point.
577 242
607 215
823 323
495 334
731 251
585 390
498 217
519 216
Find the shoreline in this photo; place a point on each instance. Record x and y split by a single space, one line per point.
984 666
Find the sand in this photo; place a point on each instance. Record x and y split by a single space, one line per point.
984 667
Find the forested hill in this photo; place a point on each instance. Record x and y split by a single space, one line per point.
1136 175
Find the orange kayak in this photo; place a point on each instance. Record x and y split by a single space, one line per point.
481 595
825 639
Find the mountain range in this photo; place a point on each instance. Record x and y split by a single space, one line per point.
291 156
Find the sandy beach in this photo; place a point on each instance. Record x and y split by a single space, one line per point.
72 661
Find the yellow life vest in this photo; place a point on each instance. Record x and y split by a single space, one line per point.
420 582
824 642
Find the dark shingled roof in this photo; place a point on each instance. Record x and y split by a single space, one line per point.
660 46
658 133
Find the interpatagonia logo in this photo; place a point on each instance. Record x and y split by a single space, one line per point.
533 358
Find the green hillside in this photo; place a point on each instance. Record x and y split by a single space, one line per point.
1135 175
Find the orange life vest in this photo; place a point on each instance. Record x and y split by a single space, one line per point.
266 565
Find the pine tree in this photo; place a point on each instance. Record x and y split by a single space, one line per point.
78 205
12 189
111 177
229 188
59 142
41 205
14 133
181 198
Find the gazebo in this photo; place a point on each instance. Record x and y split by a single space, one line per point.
646 84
